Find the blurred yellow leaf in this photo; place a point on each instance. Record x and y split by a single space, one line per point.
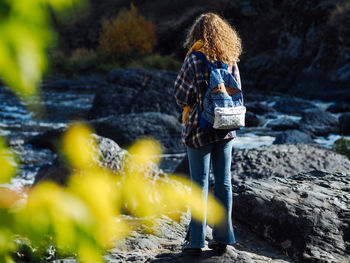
137 196
89 254
52 210
144 151
100 191
195 200
61 4
77 147
8 197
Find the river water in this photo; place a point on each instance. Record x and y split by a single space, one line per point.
59 106
18 124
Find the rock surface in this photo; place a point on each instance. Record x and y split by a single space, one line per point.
251 120
109 155
285 160
278 194
307 214
319 123
126 128
281 161
164 245
57 172
259 107
135 91
293 105
339 107
49 139
345 123
292 136
282 124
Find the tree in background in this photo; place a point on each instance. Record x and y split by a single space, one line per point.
127 33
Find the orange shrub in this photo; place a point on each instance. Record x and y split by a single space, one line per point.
128 32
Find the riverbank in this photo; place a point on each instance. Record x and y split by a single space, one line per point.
286 143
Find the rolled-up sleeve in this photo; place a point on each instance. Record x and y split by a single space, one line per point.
185 90
237 75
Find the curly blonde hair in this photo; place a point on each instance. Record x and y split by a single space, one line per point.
221 41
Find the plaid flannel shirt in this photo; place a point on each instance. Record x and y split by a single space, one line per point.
190 86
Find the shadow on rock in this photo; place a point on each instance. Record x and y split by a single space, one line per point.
209 256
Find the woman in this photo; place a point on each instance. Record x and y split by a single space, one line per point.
214 37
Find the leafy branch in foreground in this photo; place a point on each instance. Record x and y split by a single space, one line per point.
25 36
85 218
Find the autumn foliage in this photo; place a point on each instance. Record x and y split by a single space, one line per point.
128 32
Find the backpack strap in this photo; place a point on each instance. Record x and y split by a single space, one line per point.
224 66
202 57
210 65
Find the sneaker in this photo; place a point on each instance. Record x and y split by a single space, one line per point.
218 246
190 251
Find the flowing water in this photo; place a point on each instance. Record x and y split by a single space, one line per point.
18 124
61 105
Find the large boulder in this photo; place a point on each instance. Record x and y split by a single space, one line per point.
281 124
126 128
318 122
344 121
258 107
135 91
306 215
292 136
281 160
286 160
109 156
58 171
293 105
49 139
81 83
339 107
251 120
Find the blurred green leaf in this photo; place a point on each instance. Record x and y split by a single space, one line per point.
24 37
7 163
85 217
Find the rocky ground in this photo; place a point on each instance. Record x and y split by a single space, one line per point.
296 197
282 212
163 242
290 198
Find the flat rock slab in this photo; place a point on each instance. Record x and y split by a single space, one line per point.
164 245
286 160
307 215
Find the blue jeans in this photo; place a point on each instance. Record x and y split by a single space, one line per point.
219 154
